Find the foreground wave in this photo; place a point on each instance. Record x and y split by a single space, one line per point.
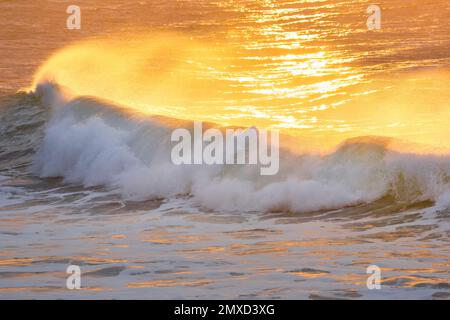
94 143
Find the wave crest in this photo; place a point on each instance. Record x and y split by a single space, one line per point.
94 143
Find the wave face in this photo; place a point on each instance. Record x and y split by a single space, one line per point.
22 120
94 143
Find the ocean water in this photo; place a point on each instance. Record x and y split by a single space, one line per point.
86 177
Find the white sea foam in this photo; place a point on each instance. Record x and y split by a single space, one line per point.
94 143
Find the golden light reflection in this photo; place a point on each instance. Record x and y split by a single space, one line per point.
316 97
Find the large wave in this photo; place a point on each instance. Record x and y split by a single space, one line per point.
92 142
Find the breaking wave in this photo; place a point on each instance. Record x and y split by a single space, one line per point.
95 143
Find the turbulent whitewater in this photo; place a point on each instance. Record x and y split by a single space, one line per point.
90 142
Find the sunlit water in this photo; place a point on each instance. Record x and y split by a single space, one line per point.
308 68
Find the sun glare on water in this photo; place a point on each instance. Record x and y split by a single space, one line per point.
314 96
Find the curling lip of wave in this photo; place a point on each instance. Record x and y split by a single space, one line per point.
92 143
